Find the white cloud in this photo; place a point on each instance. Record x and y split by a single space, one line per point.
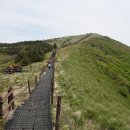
31 19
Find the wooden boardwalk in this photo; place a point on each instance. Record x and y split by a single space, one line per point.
35 113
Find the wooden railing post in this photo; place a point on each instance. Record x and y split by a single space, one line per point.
1 107
29 91
58 112
36 80
10 98
52 90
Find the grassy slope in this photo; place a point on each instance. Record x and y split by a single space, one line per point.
65 40
94 79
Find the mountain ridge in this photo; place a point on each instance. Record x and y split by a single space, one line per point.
93 79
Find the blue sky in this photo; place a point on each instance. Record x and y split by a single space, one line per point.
39 19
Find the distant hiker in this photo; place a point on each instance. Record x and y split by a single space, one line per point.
49 65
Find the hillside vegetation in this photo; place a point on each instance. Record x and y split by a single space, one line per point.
93 78
26 52
5 60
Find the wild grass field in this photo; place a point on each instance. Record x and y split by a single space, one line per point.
18 81
93 78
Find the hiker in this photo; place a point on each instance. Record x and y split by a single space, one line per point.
49 65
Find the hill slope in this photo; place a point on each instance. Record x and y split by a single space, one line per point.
93 78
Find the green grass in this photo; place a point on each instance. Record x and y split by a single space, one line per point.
94 80
5 60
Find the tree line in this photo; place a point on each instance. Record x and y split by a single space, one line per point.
27 52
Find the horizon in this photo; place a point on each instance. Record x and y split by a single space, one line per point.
50 38
60 37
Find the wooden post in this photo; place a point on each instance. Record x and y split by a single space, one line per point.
36 80
58 112
29 91
10 98
52 90
1 107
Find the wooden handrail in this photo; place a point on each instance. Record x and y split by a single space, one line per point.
1 108
6 96
20 92
58 109
9 105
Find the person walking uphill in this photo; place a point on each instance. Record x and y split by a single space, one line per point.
49 65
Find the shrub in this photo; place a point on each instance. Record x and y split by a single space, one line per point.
124 91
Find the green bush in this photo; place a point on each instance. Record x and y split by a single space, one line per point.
124 91
90 114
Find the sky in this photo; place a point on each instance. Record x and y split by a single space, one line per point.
22 20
